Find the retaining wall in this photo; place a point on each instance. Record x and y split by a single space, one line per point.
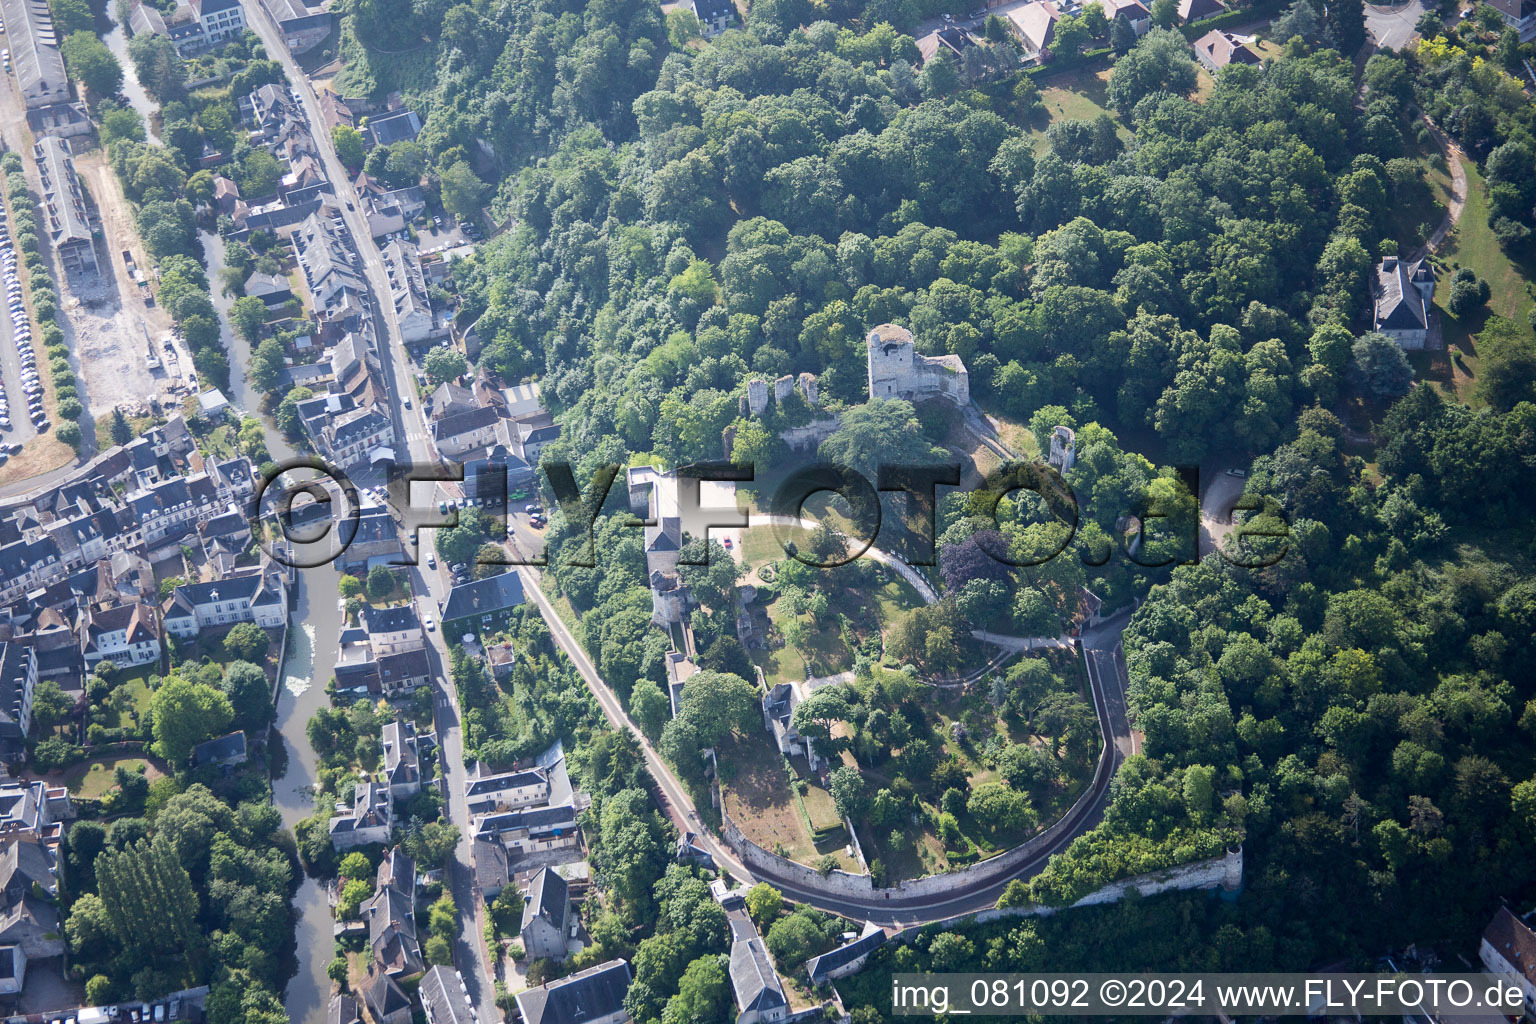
991 871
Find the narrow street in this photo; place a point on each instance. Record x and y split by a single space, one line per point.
410 431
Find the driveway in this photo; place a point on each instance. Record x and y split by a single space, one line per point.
1393 26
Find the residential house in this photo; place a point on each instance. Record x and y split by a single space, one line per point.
372 539
268 110
1137 14
1403 294
396 871
395 126
18 680
408 290
1508 948
1191 11
506 791
258 596
778 714
223 751
546 915
124 634
593 996
492 867
303 26
221 20
465 432
849 958
391 917
369 821
445 999
529 437
33 807
402 762
1216 49
1034 25
393 629
328 263
272 289
531 830
33 924
755 984
26 565
482 605
65 216
386 1001
654 496
13 970
1519 15
342 1010
949 39
715 16
28 865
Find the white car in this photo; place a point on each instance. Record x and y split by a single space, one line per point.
429 623
431 561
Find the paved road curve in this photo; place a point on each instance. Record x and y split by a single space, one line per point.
1109 701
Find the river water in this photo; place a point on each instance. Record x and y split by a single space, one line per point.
117 42
314 629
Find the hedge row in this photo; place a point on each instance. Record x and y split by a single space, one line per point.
45 302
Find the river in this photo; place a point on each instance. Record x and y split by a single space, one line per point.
117 42
315 626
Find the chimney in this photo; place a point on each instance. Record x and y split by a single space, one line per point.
1389 263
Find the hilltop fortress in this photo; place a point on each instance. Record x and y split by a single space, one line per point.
897 370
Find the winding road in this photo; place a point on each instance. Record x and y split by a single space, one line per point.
1106 673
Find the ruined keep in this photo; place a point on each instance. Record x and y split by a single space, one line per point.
897 370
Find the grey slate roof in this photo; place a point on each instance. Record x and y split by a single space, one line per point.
484 597
584 996
384 996
343 1010
223 748
397 619
820 967
1399 304
444 999
548 898
753 978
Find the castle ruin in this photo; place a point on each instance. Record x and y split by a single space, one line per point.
897 370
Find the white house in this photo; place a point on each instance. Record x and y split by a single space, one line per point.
260 597
126 635
1403 294
369 821
1509 948
402 762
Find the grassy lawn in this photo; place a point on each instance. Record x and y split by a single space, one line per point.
1472 244
134 691
825 649
1076 95
758 797
94 779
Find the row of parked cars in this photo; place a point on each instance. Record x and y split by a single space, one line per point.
21 338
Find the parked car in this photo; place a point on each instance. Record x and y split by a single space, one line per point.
429 623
